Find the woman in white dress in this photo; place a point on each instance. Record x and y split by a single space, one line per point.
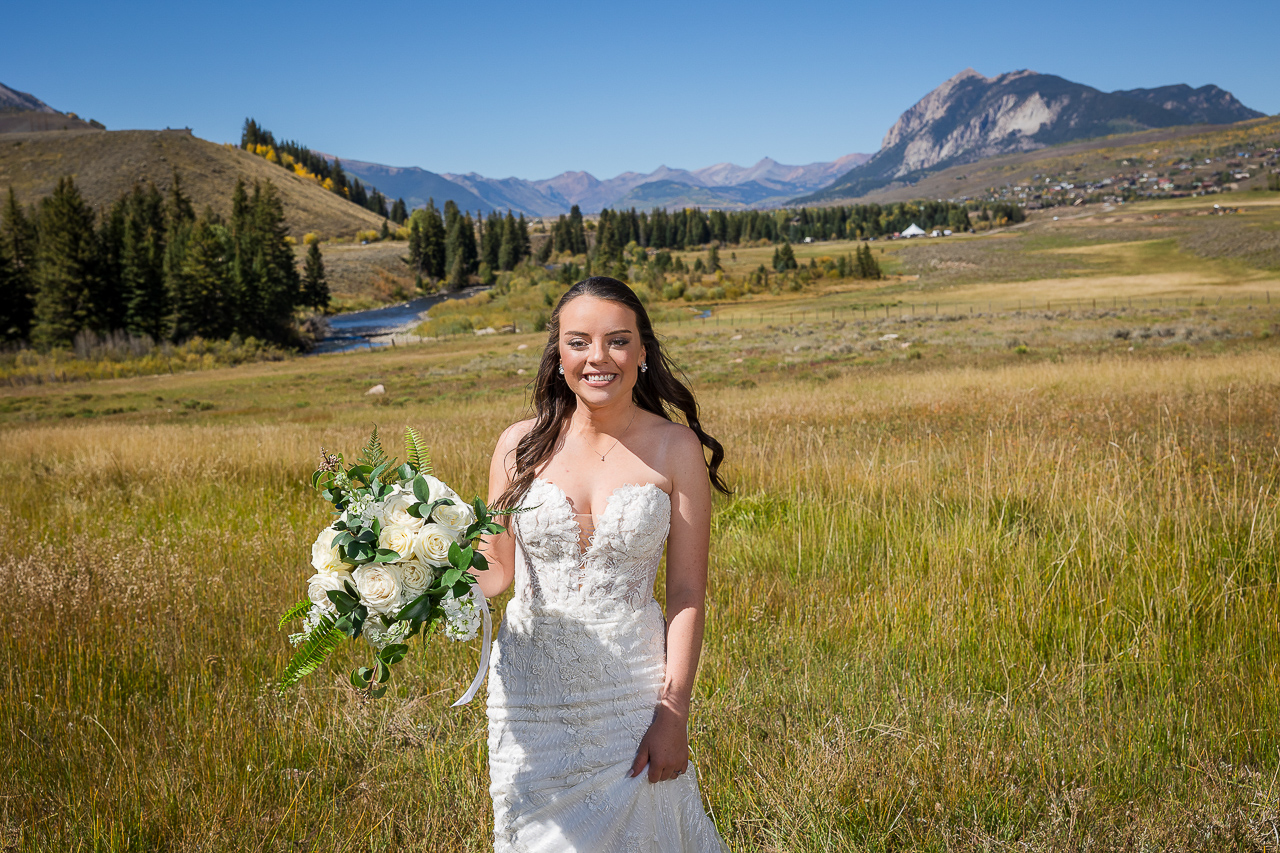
589 687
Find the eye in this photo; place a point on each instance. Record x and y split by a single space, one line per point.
577 343
619 342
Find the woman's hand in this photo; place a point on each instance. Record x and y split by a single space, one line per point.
665 746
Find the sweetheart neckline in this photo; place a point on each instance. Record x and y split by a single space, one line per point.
568 505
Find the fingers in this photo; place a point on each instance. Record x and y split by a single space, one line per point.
642 758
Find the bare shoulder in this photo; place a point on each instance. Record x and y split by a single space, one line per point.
681 448
511 435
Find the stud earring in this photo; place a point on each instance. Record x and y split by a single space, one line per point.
644 367
561 369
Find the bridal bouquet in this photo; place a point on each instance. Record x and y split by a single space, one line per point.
395 562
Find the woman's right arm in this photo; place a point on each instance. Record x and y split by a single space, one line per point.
500 550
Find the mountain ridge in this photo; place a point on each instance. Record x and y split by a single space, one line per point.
971 117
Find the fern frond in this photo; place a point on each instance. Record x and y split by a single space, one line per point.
372 453
297 611
319 644
419 455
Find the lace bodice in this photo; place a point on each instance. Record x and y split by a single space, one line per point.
613 574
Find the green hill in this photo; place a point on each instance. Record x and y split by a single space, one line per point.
106 164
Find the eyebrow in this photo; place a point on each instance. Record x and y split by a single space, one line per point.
606 334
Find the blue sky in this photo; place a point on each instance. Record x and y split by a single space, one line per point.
534 89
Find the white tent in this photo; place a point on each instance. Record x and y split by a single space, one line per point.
913 230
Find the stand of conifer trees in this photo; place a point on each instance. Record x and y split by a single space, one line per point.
331 175
453 246
152 267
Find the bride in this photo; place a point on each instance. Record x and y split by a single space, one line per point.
589 688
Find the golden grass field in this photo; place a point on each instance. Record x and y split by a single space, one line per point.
1006 581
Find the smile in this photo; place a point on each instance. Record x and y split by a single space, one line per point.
598 378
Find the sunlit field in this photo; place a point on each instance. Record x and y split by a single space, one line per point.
1007 580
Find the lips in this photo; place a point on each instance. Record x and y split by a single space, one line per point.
598 378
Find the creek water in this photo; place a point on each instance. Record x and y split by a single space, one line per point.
357 329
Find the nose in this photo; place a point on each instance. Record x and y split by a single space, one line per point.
597 352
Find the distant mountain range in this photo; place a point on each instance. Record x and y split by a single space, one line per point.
723 185
21 112
967 118
970 117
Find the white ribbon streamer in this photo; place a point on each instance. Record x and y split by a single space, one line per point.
487 628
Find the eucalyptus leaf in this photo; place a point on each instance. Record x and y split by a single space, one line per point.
358 681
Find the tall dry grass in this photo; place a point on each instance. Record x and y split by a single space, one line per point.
1030 607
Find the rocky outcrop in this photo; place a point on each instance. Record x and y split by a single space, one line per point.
970 117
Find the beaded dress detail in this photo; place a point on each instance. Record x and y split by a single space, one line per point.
577 669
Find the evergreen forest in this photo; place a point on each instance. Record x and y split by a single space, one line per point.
150 267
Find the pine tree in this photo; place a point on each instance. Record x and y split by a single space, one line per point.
433 239
18 241
491 238
202 293
415 246
577 232
179 218
509 251
385 233
467 244
544 250
142 262
315 289
713 258
65 267
457 274
12 299
399 213
522 238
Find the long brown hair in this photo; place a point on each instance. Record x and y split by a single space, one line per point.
657 390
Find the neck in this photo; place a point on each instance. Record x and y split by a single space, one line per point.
609 420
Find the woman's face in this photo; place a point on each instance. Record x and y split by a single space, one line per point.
600 350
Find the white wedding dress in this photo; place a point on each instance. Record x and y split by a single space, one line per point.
577 669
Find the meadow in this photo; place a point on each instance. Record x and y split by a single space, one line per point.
995 576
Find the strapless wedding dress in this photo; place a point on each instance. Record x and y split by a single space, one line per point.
577 669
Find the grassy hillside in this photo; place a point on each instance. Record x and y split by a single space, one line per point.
106 165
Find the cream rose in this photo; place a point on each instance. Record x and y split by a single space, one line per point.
325 557
379 587
395 510
320 584
431 545
456 516
415 577
399 538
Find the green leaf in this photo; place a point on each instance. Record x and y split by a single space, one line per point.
416 448
393 654
386 555
345 603
421 490
359 680
420 609
372 453
378 692
415 509
316 646
381 672
479 563
297 611
405 471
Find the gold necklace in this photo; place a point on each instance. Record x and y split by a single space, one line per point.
618 440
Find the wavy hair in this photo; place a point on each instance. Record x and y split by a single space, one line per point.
657 390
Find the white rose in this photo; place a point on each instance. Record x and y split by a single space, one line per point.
379 587
415 577
325 557
456 516
437 489
399 538
395 509
320 584
431 544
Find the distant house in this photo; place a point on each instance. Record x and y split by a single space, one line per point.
913 230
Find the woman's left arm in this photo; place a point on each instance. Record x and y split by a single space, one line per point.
665 746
